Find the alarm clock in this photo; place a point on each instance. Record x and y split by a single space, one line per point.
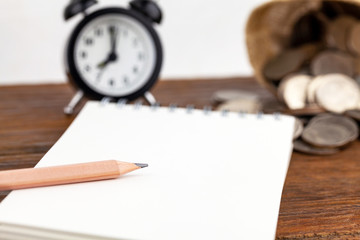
113 52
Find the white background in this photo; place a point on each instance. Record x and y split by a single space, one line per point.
201 38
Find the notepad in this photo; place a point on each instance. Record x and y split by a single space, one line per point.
211 175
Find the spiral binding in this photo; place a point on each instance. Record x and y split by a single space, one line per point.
105 100
190 108
121 102
207 110
242 114
138 104
172 107
224 112
155 106
259 115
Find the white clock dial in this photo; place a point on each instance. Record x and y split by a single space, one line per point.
115 55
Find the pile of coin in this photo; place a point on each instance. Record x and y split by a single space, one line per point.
318 73
323 134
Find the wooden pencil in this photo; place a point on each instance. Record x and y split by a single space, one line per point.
65 174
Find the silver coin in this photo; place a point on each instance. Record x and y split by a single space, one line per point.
292 90
299 127
329 130
237 105
303 147
313 86
272 106
338 31
354 114
338 93
330 61
230 94
353 43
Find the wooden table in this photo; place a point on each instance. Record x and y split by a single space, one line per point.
321 197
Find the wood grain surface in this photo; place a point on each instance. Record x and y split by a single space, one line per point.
321 196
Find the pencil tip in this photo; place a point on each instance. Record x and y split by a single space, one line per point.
141 165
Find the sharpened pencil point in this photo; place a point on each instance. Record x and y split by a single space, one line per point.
141 165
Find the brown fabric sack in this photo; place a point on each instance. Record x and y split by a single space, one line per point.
271 28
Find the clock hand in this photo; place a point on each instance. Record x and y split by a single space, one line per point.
111 58
100 73
113 42
113 38
104 63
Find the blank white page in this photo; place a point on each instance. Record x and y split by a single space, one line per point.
209 177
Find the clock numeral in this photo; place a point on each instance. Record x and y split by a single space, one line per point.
89 41
141 56
99 32
135 69
112 82
113 30
126 80
83 54
87 68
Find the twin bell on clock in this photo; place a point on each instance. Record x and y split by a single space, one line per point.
113 52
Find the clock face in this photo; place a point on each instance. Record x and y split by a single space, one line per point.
115 55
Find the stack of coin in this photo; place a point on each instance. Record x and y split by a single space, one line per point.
334 92
325 134
317 73
320 72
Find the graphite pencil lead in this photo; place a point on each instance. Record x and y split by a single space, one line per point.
141 165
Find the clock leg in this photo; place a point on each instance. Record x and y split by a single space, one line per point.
69 109
150 98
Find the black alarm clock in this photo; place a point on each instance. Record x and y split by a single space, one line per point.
113 52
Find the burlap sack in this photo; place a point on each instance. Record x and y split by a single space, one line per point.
270 28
